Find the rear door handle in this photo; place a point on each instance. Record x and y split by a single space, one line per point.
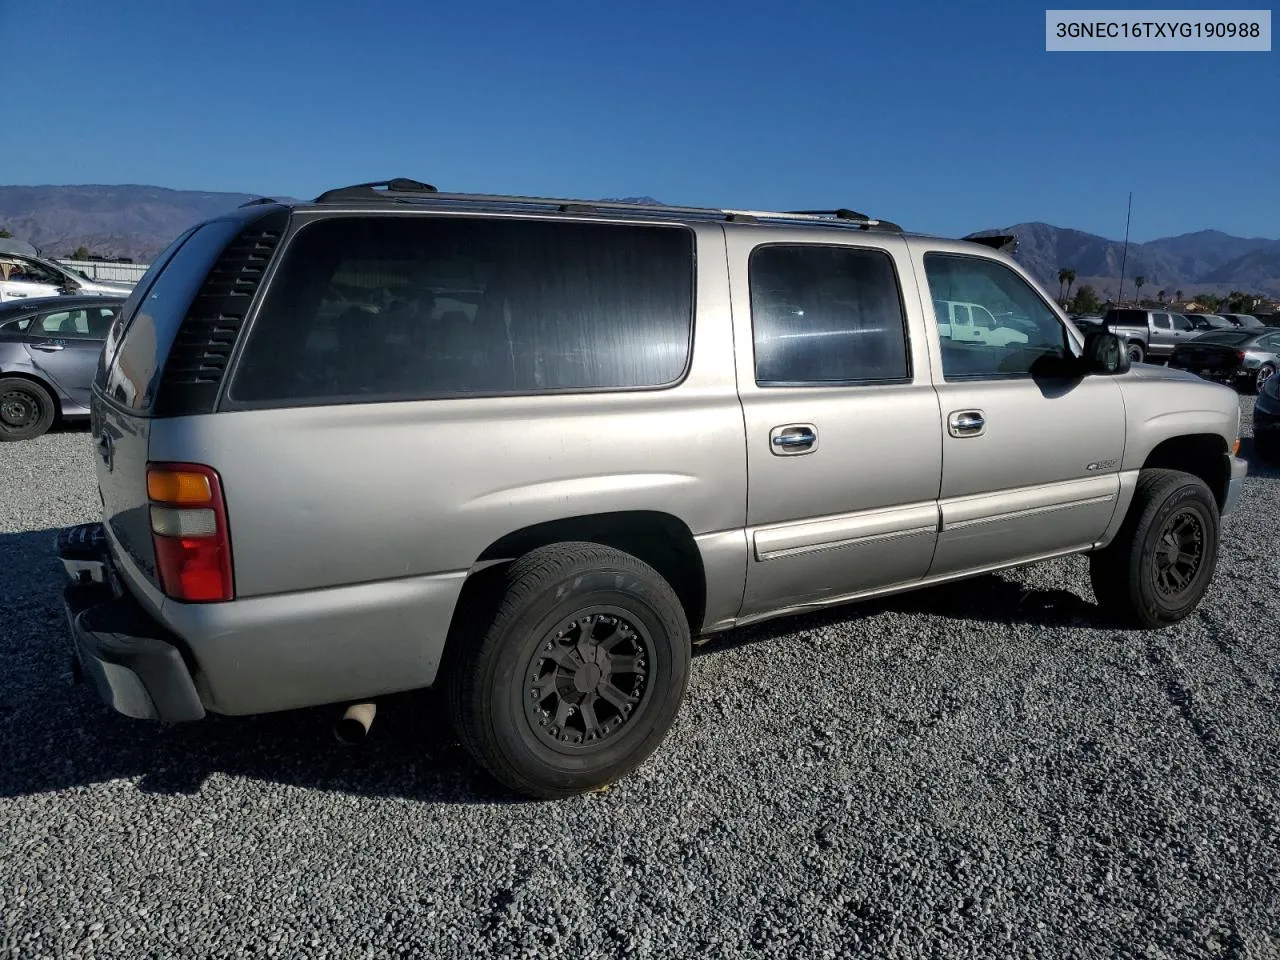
966 423
793 438
47 347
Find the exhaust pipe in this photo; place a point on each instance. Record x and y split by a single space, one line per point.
355 723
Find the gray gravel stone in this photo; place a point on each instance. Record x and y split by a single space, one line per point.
977 771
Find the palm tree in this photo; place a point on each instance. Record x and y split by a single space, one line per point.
1177 295
1160 295
1138 282
1071 278
1062 279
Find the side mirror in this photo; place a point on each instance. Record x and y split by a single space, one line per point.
1104 354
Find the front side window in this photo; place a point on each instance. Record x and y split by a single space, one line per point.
383 308
1161 321
826 315
1179 321
29 271
1022 330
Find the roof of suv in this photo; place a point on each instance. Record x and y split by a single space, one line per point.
414 192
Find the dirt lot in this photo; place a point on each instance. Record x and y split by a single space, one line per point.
985 770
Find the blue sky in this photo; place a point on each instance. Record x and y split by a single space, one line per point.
946 117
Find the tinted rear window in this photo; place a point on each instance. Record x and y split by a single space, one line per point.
135 372
409 307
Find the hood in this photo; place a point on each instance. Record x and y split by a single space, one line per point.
107 286
1150 371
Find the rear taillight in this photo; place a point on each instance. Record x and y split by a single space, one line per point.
189 529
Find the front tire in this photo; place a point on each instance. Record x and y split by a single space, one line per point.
1135 352
1265 373
27 409
577 677
1159 566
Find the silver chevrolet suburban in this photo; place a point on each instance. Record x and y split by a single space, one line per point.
527 450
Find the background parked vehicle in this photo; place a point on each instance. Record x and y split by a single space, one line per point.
1243 358
1213 321
1148 334
49 349
1245 320
1266 420
24 277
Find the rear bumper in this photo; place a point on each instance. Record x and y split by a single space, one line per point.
134 663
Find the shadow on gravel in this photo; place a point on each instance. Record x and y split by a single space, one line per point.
59 736
990 598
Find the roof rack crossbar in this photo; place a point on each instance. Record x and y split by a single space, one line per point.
375 189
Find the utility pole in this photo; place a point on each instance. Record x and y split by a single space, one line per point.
1125 256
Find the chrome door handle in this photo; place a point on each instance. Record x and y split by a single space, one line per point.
48 347
793 438
966 423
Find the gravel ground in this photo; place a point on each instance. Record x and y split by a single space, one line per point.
977 771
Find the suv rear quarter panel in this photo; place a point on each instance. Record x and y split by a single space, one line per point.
364 519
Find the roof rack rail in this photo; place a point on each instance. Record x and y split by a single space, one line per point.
258 200
403 190
375 190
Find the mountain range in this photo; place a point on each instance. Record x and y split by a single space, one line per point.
138 221
1207 261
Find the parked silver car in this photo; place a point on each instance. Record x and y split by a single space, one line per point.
49 350
1245 358
525 450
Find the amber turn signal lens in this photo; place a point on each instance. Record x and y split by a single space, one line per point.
169 486
1235 447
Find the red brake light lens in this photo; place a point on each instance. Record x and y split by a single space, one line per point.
189 531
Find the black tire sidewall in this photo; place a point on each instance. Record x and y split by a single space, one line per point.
1132 349
666 681
1156 608
43 400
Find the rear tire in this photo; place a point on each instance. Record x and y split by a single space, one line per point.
1159 566
27 409
577 677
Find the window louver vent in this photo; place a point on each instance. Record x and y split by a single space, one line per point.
197 361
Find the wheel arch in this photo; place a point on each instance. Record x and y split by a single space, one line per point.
660 539
1201 454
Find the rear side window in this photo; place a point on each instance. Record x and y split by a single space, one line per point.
16 326
135 371
414 307
826 315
